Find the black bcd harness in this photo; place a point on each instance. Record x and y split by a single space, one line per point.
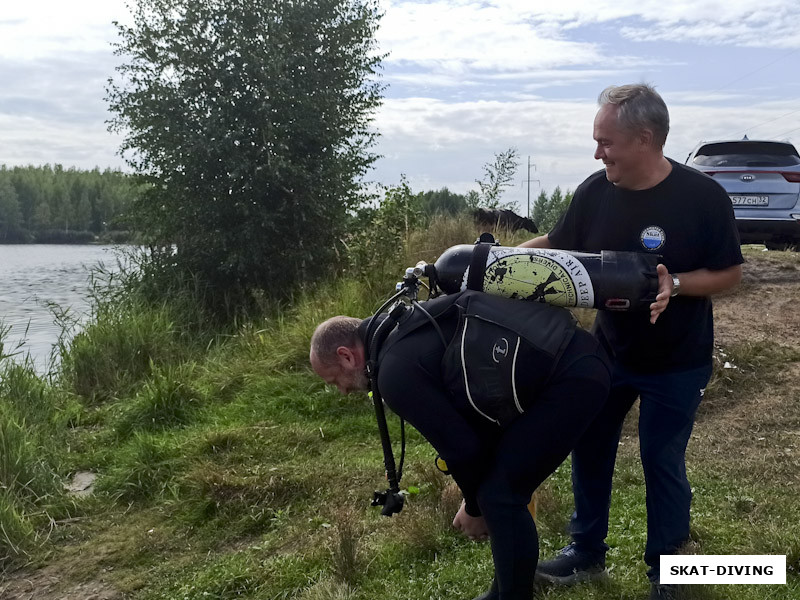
495 340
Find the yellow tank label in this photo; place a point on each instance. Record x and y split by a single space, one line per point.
537 274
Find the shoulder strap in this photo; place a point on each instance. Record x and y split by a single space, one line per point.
415 317
477 266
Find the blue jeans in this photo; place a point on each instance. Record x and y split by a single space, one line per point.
668 403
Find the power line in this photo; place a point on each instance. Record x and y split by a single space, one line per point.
765 122
780 135
769 64
748 74
529 181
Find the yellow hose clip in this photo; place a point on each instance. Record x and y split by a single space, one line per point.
441 465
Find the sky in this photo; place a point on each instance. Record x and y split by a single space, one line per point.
465 80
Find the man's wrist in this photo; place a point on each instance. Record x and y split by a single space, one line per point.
472 508
676 285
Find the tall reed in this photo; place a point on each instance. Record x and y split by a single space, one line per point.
31 420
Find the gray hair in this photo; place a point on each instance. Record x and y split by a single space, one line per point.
639 107
333 333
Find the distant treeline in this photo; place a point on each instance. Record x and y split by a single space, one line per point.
545 212
56 205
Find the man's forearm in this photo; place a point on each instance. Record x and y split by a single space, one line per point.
705 282
543 241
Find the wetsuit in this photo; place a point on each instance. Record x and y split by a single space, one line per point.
498 468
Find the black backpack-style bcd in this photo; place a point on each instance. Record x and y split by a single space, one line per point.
501 352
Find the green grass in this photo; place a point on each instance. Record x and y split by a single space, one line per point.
227 470
17 531
119 349
33 419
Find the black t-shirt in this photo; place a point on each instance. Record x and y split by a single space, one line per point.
687 219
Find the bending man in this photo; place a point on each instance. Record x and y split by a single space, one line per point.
501 426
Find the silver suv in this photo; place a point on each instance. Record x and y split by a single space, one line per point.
762 179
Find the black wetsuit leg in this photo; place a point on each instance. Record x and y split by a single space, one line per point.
530 449
498 468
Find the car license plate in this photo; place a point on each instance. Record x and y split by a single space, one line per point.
750 200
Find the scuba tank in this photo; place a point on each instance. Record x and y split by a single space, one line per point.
608 280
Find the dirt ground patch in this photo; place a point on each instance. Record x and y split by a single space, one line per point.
755 411
48 584
764 306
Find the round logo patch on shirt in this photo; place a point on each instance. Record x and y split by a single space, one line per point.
652 237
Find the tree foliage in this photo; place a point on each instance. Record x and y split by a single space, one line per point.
497 176
547 210
53 204
251 119
442 202
10 216
380 234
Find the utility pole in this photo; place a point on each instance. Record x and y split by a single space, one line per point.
528 181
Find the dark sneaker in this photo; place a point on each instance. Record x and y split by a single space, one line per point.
663 591
573 566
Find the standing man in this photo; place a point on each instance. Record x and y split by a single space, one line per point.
645 202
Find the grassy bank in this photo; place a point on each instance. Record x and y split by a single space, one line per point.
227 470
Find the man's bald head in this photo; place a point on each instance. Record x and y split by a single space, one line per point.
337 354
333 333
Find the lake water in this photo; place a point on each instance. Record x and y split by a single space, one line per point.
32 276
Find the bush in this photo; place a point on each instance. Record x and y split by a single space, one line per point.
145 469
115 237
280 342
547 210
32 419
256 141
118 350
166 400
25 473
380 235
17 532
142 318
61 236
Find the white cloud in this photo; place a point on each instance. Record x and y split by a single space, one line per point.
439 143
55 58
696 122
764 17
514 54
763 34
462 44
508 35
461 37
32 29
35 141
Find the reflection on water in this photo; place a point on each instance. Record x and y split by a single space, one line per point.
34 275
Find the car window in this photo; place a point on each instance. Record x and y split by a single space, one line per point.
747 154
